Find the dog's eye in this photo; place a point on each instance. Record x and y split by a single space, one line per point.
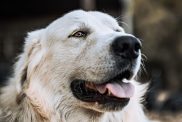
79 34
117 30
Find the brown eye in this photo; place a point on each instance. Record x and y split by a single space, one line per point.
79 34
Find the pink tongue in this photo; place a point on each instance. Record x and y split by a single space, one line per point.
122 90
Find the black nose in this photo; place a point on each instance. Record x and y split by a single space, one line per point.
126 47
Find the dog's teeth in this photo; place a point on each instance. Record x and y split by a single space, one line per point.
109 93
125 81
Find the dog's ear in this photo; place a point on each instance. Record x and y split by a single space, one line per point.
31 55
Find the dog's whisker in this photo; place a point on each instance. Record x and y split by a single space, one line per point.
144 57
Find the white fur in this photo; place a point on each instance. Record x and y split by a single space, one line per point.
51 60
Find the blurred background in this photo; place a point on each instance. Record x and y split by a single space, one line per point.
158 23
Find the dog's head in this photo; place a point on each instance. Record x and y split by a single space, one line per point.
82 59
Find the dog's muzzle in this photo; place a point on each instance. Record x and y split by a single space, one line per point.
113 92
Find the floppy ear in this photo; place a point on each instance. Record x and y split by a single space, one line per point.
32 50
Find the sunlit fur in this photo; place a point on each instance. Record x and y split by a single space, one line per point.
39 90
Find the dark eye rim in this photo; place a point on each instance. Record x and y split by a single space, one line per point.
76 34
117 30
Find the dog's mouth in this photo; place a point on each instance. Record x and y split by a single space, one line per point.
114 91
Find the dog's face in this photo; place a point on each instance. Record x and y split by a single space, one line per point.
89 62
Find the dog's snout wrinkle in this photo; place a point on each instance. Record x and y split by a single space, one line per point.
127 47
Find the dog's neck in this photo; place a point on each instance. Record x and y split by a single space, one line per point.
66 112
81 115
43 109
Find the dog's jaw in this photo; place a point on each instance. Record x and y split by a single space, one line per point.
89 114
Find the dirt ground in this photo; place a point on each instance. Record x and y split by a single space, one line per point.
166 117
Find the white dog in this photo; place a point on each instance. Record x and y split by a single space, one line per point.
81 68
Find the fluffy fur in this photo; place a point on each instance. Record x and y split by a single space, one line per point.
39 90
